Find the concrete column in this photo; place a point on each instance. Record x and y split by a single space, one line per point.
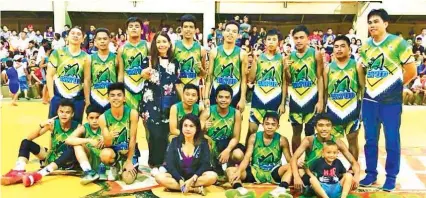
361 20
59 11
208 19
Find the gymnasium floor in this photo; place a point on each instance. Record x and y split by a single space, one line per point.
17 122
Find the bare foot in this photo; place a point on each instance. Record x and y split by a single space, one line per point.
14 104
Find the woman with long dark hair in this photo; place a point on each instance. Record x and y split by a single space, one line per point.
188 160
159 94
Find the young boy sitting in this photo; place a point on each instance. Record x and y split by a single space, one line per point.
328 176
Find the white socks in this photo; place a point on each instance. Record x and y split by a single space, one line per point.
85 166
46 170
20 165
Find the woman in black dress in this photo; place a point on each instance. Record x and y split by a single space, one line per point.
159 94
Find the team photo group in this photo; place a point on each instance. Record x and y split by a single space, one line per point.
191 102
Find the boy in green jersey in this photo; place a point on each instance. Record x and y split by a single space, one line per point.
104 69
119 128
388 63
306 90
190 55
342 94
312 147
86 141
180 109
133 63
222 124
228 65
60 155
264 152
270 90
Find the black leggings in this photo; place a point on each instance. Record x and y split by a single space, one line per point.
66 160
157 143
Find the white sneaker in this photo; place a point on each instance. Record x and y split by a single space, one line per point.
162 169
155 171
242 190
280 191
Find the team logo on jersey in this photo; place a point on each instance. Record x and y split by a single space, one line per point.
134 70
376 70
103 81
268 81
266 162
228 76
187 68
342 93
301 81
69 76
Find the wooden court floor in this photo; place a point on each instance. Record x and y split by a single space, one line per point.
17 122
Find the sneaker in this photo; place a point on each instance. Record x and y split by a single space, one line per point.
367 181
162 169
30 179
88 177
240 192
389 185
280 192
155 171
12 177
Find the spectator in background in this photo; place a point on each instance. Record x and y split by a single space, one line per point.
89 36
5 32
66 31
423 36
219 35
58 42
329 34
314 37
31 49
41 50
49 34
351 34
321 35
121 40
92 48
21 68
359 43
31 32
421 69
329 45
198 36
22 43
418 58
399 34
173 36
287 49
151 35
262 33
254 35
354 46
120 33
419 90
38 37
325 56
418 46
212 35
146 33
13 81
4 52
245 29
210 45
